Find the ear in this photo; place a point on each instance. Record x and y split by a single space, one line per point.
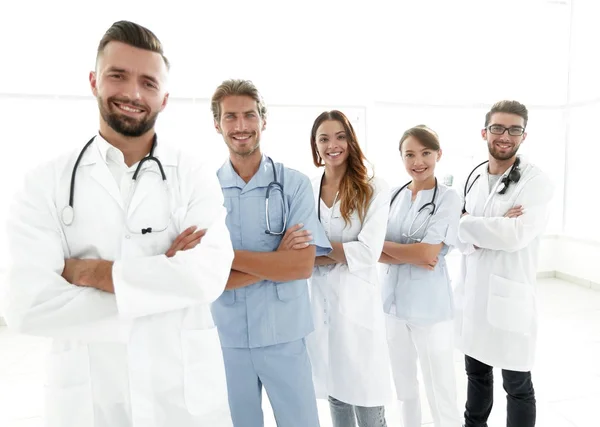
524 136
164 103
484 134
264 124
93 83
217 127
439 155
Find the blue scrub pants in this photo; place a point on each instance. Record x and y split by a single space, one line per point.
285 372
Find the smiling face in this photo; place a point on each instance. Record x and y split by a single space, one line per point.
240 124
332 143
505 146
419 160
129 85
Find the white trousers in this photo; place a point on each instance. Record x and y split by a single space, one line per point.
433 346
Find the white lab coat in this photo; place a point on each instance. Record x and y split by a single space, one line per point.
348 348
496 309
148 355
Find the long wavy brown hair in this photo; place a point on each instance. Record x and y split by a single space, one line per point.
356 188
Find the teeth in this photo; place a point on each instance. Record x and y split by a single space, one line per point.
334 154
130 109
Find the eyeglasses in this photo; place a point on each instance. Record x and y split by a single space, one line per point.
512 131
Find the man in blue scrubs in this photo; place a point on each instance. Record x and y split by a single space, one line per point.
264 313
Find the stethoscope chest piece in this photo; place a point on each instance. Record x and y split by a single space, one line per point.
67 215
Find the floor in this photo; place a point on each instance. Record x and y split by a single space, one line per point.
566 377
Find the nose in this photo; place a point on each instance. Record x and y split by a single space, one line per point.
132 89
240 123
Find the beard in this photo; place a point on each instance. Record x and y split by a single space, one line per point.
242 152
126 126
498 155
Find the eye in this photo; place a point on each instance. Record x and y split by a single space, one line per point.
251 115
323 139
151 85
426 153
115 76
342 137
408 155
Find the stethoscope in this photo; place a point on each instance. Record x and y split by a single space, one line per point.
513 176
68 213
431 206
319 203
275 185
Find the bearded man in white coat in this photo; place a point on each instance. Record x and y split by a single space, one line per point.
117 250
506 210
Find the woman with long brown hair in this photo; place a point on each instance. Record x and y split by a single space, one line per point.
348 348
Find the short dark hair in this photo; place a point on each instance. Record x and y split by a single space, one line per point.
510 107
134 35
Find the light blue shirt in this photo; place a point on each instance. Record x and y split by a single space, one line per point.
413 293
266 313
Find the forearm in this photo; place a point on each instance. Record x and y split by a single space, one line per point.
96 274
237 279
324 260
278 266
386 259
414 253
338 254
403 253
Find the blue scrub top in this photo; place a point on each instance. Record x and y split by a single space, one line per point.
410 292
266 313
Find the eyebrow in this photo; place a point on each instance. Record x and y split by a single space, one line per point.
243 112
337 133
124 71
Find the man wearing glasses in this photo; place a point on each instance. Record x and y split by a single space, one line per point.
506 211
264 313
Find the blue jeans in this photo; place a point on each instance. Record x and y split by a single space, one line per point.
345 415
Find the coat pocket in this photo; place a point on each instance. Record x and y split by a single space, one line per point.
357 300
511 305
291 290
68 392
204 383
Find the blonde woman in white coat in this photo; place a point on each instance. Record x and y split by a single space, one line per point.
417 296
348 349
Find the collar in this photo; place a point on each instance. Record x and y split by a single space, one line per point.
100 148
262 178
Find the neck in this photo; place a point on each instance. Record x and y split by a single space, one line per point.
426 184
246 166
134 148
334 175
498 167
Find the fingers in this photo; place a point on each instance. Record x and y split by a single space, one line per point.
188 239
292 229
183 235
514 212
295 238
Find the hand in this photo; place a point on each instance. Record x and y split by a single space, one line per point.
94 273
427 266
514 212
188 239
295 238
